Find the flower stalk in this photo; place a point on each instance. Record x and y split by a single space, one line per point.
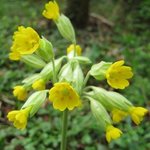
54 71
64 130
86 79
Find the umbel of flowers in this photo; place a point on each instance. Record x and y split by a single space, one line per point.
70 87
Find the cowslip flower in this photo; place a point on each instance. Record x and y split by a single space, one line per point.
19 117
20 92
117 75
137 114
77 48
14 55
25 41
118 115
39 85
51 10
63 96
112 133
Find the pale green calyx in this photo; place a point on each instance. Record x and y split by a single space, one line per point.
65 28
98 71
82 60
35 101
45 74
77 78
47 71
110 100
45 49
33 61
31 78
66 73
100 113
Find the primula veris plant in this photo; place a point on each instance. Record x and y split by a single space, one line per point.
70 86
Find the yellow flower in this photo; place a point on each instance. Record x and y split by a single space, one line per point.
78 49
26 41
51 10
112 133
14 55
19 117
137 114
20 92
118 115
63 96
117 75
39 85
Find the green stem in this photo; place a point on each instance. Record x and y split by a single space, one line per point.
64 130
86 79
54 71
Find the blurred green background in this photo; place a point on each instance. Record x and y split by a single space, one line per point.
117 29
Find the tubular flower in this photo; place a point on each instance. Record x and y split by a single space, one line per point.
117 75
39 85
112 133
20 92
118 115
26 41
137 114
77 48
19 117
63 96
51 10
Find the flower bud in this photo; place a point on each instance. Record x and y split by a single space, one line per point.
98 71
45 50
33 61
78 78
74 50
35 100
65 28
66 73
82 60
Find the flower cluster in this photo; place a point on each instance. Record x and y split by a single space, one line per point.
69 82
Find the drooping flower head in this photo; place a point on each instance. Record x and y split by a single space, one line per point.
20 92
77 48
38 85
19 117
51 10
112 133
137 114
118 115
117 75
25 41
63 96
